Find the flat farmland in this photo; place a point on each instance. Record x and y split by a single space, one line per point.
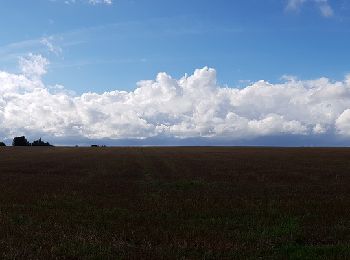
174 203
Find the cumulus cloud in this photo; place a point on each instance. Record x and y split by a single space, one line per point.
33 66
323 5
189 107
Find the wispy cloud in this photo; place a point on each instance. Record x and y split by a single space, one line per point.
108 2
326 9
323 5
12 51
46 45
51 46
92 2
295 4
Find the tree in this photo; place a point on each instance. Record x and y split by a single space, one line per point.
20 141
2 144
40 143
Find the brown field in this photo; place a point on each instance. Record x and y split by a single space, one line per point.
174 203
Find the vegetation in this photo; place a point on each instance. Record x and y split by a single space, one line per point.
40 143
175 203
2 144
22 141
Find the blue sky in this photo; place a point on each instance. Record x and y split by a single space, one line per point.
104 47
272 72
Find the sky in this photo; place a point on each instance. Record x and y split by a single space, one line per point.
163 72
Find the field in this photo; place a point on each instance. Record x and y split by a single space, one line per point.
174 203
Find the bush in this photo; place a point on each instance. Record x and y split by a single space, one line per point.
40 143
2 144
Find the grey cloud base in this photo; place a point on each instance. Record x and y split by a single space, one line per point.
191 110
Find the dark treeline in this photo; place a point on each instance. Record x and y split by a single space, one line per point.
22 141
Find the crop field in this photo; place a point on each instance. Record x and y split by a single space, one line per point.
174 203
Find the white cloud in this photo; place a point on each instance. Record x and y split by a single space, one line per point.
326 10
343 123
323 5
295 4
193 106
33 65
93 2
108 2
48 42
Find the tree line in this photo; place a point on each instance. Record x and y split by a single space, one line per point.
22 141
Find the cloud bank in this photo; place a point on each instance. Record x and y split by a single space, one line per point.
193 106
